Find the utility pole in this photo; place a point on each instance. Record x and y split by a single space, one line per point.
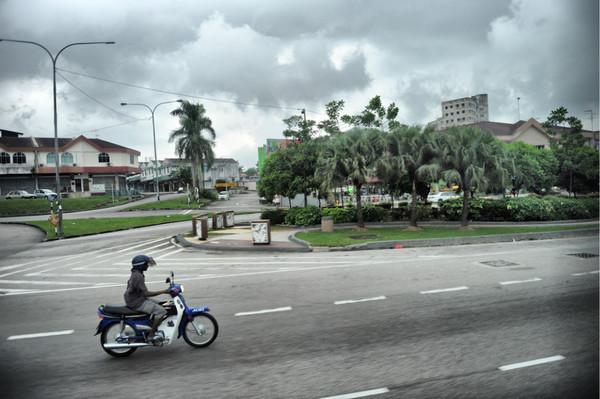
591 118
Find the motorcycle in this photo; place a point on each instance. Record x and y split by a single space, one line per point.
122 330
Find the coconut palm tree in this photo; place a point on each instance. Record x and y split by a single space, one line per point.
472 158
352 156
190 141
415 150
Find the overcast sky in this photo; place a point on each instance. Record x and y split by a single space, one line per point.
291 55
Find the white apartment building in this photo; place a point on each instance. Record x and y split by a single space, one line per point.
86 166
463 111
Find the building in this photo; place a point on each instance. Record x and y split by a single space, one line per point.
224 172
273 145
463 111
87 166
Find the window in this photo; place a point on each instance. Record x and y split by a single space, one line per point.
541 147
19 157
103 157
131 159
66 158
4 157
51 158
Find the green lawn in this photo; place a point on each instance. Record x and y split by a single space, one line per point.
343 237
174 203
18 207
79 227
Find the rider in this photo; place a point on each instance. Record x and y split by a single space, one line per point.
136 295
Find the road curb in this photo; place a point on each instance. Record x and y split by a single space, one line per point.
181 240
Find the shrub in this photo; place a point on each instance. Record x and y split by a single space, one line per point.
530 209
310 215
210 194
494 210
372 213
341 215
452 209
569 208
276 216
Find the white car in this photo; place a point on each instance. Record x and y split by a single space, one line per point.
45 193
19 194
223 195
434 198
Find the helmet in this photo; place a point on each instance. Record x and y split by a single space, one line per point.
141 262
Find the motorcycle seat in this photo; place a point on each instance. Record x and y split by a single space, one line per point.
121 310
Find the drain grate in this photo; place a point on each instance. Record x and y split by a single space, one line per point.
499 263
584 255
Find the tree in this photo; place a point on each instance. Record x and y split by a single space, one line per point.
276 177
183 175
331 125
416 152
375 115
577 163
533 168
303 161
353 156
190 141
559 117
298 128
471 158
251 172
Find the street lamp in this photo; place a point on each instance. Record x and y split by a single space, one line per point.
154 137
56 172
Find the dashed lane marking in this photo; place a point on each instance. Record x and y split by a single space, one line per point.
445 290
362 394
39 335
284 309
530 280
33 282
531 363
348 301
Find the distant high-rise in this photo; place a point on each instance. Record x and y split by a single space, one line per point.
463 111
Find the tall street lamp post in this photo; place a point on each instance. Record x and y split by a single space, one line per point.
56 155
154 137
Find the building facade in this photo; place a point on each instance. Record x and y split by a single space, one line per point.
463 111
86 166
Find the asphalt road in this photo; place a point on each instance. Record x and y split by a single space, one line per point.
408 323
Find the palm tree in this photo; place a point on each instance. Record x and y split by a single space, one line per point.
190 141
472 158
352 156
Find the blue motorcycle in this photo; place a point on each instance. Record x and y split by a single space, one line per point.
122 330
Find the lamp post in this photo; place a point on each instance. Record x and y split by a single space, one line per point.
56 172
154 137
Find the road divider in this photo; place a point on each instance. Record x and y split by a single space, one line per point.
531 363
39 335
284 309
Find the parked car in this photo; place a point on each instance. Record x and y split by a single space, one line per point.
45 193
434 198
223 195
19 194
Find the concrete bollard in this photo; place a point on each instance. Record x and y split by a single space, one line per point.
229 219
201 227
261 232
327 224
217 221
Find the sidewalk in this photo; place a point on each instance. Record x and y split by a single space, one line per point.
239 238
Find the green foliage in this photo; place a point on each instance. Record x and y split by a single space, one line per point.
308 216
424 212
452 209
341 215
276 216
375 115
210 195
533 168
373 213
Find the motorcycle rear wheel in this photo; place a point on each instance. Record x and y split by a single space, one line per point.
201 331
109 337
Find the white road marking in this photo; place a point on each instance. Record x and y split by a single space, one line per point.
242 262
159 250
445 290
361 394
377 298
285 309
170 253
531 280
585 273
531 363
142 244
45 263
39 335
32 282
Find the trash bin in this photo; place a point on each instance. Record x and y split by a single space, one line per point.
261 232
327 224
201 227
217 222
229 219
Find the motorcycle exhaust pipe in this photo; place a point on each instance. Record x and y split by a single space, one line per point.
122 346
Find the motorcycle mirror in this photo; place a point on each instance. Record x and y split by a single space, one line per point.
172 274
168 281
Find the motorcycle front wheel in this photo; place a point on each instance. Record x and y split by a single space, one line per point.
109 336
201 331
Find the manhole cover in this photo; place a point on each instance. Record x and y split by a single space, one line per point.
584 255
364 237
499 263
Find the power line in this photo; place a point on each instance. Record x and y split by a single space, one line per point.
181 94
111 126
94 99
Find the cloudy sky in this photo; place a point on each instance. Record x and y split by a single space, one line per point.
254 63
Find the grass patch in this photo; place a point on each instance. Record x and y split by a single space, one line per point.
173 203
343 237
41 206
80 227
